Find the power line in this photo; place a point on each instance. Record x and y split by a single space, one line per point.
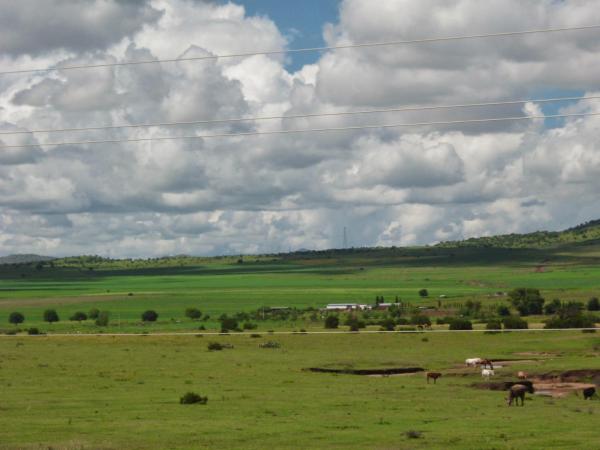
308 130
305 50
299 116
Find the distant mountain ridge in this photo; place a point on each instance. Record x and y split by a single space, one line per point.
588 231
24 259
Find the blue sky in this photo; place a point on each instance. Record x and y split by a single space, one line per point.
303 20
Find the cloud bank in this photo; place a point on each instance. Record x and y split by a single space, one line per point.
279 192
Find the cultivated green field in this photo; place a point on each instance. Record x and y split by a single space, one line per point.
221 285
123 393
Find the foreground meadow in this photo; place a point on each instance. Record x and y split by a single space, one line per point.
87 392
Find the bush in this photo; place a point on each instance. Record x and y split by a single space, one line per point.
50 316
332 322
355 324
193 313
388 324
527 301
424 293
33 331
552 307
493 324
215 346
249 326
149 316
78 316
514 323
412 434
419 319
228 323
270 344
16 318
93 314
460 324
102 319
572 321
191 398
593 304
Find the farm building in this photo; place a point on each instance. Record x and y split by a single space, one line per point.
346 307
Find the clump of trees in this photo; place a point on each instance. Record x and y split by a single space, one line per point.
228 324
571 315
332 322
527 301
193 313
78 316
593 304
460 324
514 323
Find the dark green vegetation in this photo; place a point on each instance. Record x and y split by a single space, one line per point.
85 392
189 294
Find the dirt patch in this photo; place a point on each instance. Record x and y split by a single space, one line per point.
552 384
568 376
559 390
371 372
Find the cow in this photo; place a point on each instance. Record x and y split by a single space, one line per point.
472 362
588 393
433 375
522 375
486 373
515 393
484 363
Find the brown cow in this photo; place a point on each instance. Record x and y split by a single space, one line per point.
522 375
433 375
517 392
484 363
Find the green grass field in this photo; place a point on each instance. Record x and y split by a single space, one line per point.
107 392
123 393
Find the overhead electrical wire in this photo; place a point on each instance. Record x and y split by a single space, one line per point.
299 131
300 116
304 50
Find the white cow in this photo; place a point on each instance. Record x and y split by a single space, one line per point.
486 373
472 362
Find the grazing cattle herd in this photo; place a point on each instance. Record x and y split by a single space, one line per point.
516 389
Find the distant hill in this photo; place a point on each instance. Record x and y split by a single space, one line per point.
589 231
24 259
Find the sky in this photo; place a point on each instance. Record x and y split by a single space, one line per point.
273 193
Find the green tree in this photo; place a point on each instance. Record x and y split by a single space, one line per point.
460 324
514 323
78 316
93 314
332 322
16 318
193 313
102 319
149 316
593 304
527 301
50 316
424 293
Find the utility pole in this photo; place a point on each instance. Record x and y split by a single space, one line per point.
345 242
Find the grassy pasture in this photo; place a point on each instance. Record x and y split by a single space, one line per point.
220 285
123 393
